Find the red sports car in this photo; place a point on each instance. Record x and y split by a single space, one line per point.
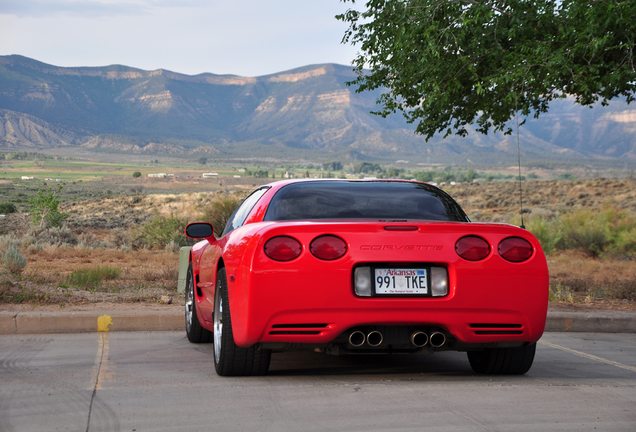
349 267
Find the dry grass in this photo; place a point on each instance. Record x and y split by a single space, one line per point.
499 202
145 277
576 279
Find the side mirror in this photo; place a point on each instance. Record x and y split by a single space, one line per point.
199 230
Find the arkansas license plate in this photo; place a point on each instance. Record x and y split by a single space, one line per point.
400 281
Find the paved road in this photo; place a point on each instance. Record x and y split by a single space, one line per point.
158 381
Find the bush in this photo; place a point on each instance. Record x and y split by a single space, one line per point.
547 233
93 278
7 208
120 237
45 208
218 212
6 241
160 231
58 236
136 174
586 230
13 260
622 233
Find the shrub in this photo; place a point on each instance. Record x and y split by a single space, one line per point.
34 248
45 208
120 237
547 233
93 278
13 260
622 233
6 241
136 174
58 236
560 293
160 231
7 208
219 210
584 229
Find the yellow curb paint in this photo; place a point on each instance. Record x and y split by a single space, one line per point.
103 322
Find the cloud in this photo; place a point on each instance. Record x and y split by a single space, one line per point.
88 8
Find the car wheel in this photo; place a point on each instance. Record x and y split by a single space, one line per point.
229 358
194 331
512 361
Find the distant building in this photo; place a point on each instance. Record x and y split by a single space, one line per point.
209 175
28 178
161 175
237 176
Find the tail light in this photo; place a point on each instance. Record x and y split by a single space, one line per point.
283 248
439 281
472 248
328 247
515 249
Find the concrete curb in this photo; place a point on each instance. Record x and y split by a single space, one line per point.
86 322
608 322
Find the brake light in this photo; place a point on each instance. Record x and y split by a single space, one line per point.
472 248
515 249
283 248
328 247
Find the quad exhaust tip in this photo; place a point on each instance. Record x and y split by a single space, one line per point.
437 339
419 338
357 338
374 338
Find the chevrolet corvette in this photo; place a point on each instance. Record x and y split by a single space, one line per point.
363 266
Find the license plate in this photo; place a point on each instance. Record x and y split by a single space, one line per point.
400 281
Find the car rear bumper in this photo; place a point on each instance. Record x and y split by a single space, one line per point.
307 307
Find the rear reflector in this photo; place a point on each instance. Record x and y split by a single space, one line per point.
472 248
328 247
362 281
439 281
283 248
515 249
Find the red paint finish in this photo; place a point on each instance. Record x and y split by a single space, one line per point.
306 289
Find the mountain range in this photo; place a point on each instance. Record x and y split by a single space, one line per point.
307 113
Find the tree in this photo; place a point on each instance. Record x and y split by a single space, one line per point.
137 174
366 167
450 63
45 208
203 160
332 166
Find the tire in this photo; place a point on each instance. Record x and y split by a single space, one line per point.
511 361
195 332
229 358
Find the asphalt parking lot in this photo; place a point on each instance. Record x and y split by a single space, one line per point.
151 381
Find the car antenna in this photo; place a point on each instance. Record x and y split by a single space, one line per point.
519 163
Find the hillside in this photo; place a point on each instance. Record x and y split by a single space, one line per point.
307 112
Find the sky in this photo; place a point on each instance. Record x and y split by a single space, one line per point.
240 37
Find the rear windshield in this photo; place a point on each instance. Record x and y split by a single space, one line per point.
367 200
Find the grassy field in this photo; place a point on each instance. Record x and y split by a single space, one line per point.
133 226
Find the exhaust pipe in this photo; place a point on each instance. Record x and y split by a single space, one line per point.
357 338
419 338
437 339
374 338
